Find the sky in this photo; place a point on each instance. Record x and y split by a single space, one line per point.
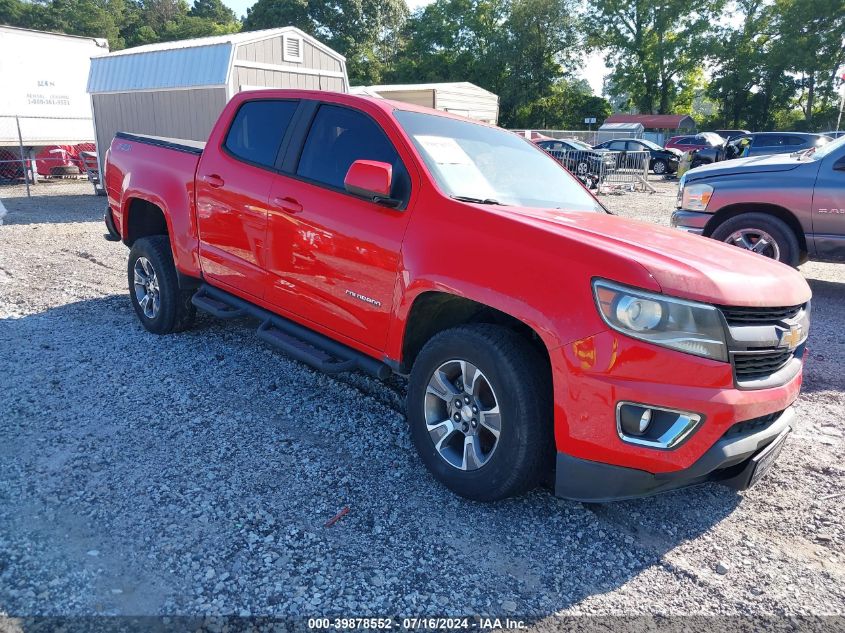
593 71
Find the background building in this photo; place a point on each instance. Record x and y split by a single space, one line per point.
461 98
178 89
44 76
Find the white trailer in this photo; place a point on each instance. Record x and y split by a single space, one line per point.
43 79
461 98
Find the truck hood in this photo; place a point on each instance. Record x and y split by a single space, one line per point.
683 265
750 165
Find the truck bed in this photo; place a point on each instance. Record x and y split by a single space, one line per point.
179 144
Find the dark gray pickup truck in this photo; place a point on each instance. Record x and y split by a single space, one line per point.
787 207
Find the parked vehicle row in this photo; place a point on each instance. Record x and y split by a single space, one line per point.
661 161
582 159
617 359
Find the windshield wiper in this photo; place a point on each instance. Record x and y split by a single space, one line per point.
476 200
801 153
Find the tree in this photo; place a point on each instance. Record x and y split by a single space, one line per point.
564 107
365 31
811 42
652 45
520 49
213 10
541 44
455 40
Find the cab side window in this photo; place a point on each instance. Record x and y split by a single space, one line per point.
338 137
258 129
768 140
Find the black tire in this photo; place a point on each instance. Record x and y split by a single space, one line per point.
176 312
521 379
788 247
65 170
660 167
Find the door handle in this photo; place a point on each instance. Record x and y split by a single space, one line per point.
213 180
288 204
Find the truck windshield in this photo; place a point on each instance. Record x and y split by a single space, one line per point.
828 148
475 162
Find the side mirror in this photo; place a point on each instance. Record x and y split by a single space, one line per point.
839 165
370 179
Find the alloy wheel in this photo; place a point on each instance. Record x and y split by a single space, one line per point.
462 415
146 288
756 241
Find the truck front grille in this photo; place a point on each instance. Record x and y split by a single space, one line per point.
759 316
760 364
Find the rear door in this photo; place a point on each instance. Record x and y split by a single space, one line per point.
334 258
232 186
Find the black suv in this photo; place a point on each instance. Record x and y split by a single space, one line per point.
661 161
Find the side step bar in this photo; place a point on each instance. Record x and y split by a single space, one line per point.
297 341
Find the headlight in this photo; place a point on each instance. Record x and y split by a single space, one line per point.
695 197
687 326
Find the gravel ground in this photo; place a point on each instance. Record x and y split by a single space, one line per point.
194 474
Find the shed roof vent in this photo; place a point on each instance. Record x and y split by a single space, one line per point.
292 48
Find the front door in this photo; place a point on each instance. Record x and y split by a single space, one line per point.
232 186
829 208
334 258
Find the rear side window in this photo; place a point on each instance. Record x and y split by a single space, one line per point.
794 140
258 129
340 136
768 140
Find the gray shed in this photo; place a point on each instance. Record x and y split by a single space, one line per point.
178 89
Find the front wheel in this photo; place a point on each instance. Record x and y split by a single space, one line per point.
161 306
763 234
659 167
480 411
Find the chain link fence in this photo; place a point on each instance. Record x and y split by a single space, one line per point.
47 153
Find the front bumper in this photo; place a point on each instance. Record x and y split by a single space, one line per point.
730 462
690 221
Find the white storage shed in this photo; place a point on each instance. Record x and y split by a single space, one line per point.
178 89
43 85
463 98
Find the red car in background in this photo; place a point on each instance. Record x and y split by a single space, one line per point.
62 160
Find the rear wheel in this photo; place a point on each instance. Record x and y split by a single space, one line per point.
161 306
763 234
479 408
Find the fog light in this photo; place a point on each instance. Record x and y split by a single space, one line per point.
634 420
654 427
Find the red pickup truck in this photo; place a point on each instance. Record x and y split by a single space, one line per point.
542 336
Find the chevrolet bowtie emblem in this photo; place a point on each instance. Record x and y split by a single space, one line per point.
792 338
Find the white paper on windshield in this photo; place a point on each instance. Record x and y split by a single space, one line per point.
457 168
444 150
